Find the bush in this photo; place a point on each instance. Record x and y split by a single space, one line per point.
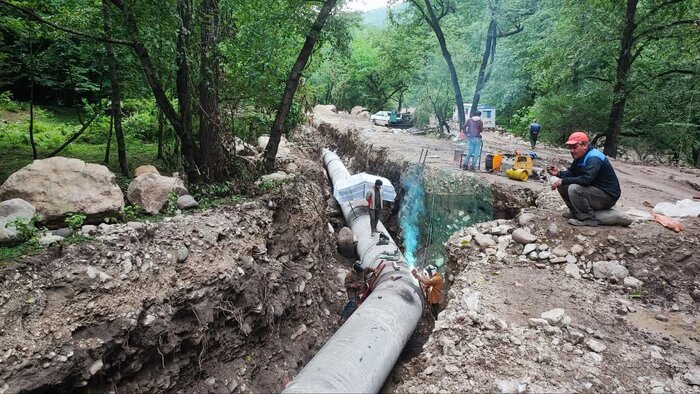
8 104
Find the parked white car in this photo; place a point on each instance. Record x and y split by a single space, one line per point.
381 118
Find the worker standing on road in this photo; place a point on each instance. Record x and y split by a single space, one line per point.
534 132
589 184
434 281
374 200
472 130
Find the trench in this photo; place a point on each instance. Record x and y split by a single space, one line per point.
440 214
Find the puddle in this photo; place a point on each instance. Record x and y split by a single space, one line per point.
680 327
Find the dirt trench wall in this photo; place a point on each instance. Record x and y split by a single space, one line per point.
234 299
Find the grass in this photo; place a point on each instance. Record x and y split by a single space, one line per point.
23 249
52 128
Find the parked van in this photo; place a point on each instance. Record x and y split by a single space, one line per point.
488 115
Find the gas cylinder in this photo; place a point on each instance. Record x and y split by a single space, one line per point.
517 173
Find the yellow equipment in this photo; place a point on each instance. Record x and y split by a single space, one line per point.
518 174
523 162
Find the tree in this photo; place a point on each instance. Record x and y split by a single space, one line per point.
432 14
657 23
209 117
116 112
293 82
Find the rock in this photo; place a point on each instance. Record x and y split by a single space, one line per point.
182 254
661 317
631 282
595 346
612 217
59 185
554 316
279 176
146 169
552 229
571 259
449 368
48 239
572 271
523 236
471 302
532 255
525 218
88 229
357 110
10 211
576 250
543 255
511 386
501 230
485 241
557 260
692 378
151 191
346 243
64 232
186 202
537 322
529 248
608 270
96 367
282 149
299 331
560 252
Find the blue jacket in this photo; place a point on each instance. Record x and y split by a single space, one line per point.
535 127
593 169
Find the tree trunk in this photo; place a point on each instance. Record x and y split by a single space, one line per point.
624 63
160 135
400 100
435 25
182 82
109 137
489 53
293 82
31 94
212 158
116 94
156 86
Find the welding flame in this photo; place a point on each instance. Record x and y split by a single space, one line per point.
412 208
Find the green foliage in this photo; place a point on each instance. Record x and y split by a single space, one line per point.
131 213
75 220
171 206
8 104
26 230
270 184
23 249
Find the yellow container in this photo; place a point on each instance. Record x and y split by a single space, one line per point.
523 162
517 174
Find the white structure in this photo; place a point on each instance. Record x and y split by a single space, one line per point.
488 114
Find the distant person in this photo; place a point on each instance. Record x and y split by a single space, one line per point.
472 130
534 132
589 184
355 284
375 203
434 283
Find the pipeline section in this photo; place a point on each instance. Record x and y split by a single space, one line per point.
361 354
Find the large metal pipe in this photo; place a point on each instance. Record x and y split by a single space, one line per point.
361 354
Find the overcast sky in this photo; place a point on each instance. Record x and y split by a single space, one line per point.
365 5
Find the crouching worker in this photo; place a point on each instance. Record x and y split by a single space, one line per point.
355 284
589 184
434 283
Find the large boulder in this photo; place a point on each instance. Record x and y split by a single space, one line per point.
282 149
59 185
151 191
146 169
10 211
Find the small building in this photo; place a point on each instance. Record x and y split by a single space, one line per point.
488 115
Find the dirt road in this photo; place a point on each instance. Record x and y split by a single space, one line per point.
639 182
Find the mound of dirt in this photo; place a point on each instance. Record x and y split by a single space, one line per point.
543 317
233 299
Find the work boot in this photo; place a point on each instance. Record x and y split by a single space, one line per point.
587 222
568 215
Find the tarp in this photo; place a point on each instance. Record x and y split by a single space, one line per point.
356 186
680 209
